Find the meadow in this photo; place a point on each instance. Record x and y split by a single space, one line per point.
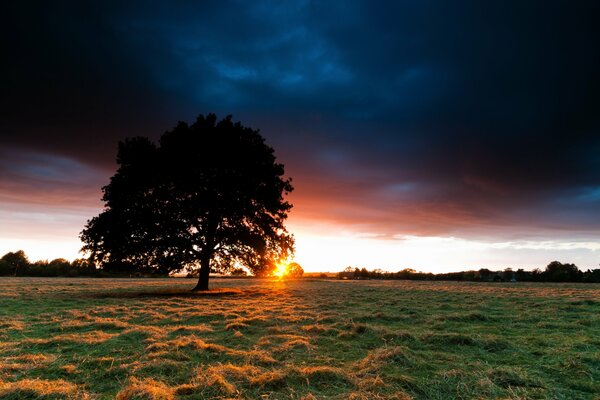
306 339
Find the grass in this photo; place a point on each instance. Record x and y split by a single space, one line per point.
308 339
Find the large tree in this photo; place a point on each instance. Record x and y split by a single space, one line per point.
209 195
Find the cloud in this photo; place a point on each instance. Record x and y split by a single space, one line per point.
35 178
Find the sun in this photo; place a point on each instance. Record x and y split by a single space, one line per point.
286 270
280 270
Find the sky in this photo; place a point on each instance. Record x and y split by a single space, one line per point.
432 135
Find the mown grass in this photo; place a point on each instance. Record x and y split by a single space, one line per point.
153 339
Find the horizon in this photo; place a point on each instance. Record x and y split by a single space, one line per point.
434 137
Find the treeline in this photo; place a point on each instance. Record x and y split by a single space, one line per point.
554 272
17 264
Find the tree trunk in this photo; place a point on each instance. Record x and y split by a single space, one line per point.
204 274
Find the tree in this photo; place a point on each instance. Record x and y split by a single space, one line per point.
209 195
364 274
294 270
559 272
5 268
238 272
485 274
17 261
83 266
60 267
347 273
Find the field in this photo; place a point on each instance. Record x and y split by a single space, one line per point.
306 339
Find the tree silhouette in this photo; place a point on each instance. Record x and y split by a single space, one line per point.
559 272
210 195
16 261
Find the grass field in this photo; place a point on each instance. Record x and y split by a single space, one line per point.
152 339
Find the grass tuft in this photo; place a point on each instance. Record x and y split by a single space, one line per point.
385 356
147 389
511 377
40 389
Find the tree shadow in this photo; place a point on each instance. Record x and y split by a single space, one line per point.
178 292
175 292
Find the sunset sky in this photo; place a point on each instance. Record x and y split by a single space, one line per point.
432 135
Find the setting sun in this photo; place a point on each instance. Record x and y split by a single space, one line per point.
288 270
280 270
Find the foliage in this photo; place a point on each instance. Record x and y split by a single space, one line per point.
14 262
559 272
554 272
209 194
294 270
299 339
238 272
56 267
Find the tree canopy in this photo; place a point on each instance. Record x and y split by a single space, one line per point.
291 270
14 261
294 270
209 195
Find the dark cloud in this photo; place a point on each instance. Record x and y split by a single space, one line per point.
476 118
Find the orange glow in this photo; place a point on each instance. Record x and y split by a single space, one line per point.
281 270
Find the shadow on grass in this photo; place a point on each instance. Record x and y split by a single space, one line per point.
176 292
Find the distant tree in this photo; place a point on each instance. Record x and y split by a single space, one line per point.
238 272
377 273
16 261
522 275
347 273
559 272
536 275
592 276
210 195
485 274
83 266
60 267
405 273
294 270
364 273
6 269
38 268
469 275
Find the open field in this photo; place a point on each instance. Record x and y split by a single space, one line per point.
151 339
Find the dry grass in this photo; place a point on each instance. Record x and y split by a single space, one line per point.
147 389
40 389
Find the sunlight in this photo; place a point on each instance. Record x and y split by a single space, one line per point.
280 270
